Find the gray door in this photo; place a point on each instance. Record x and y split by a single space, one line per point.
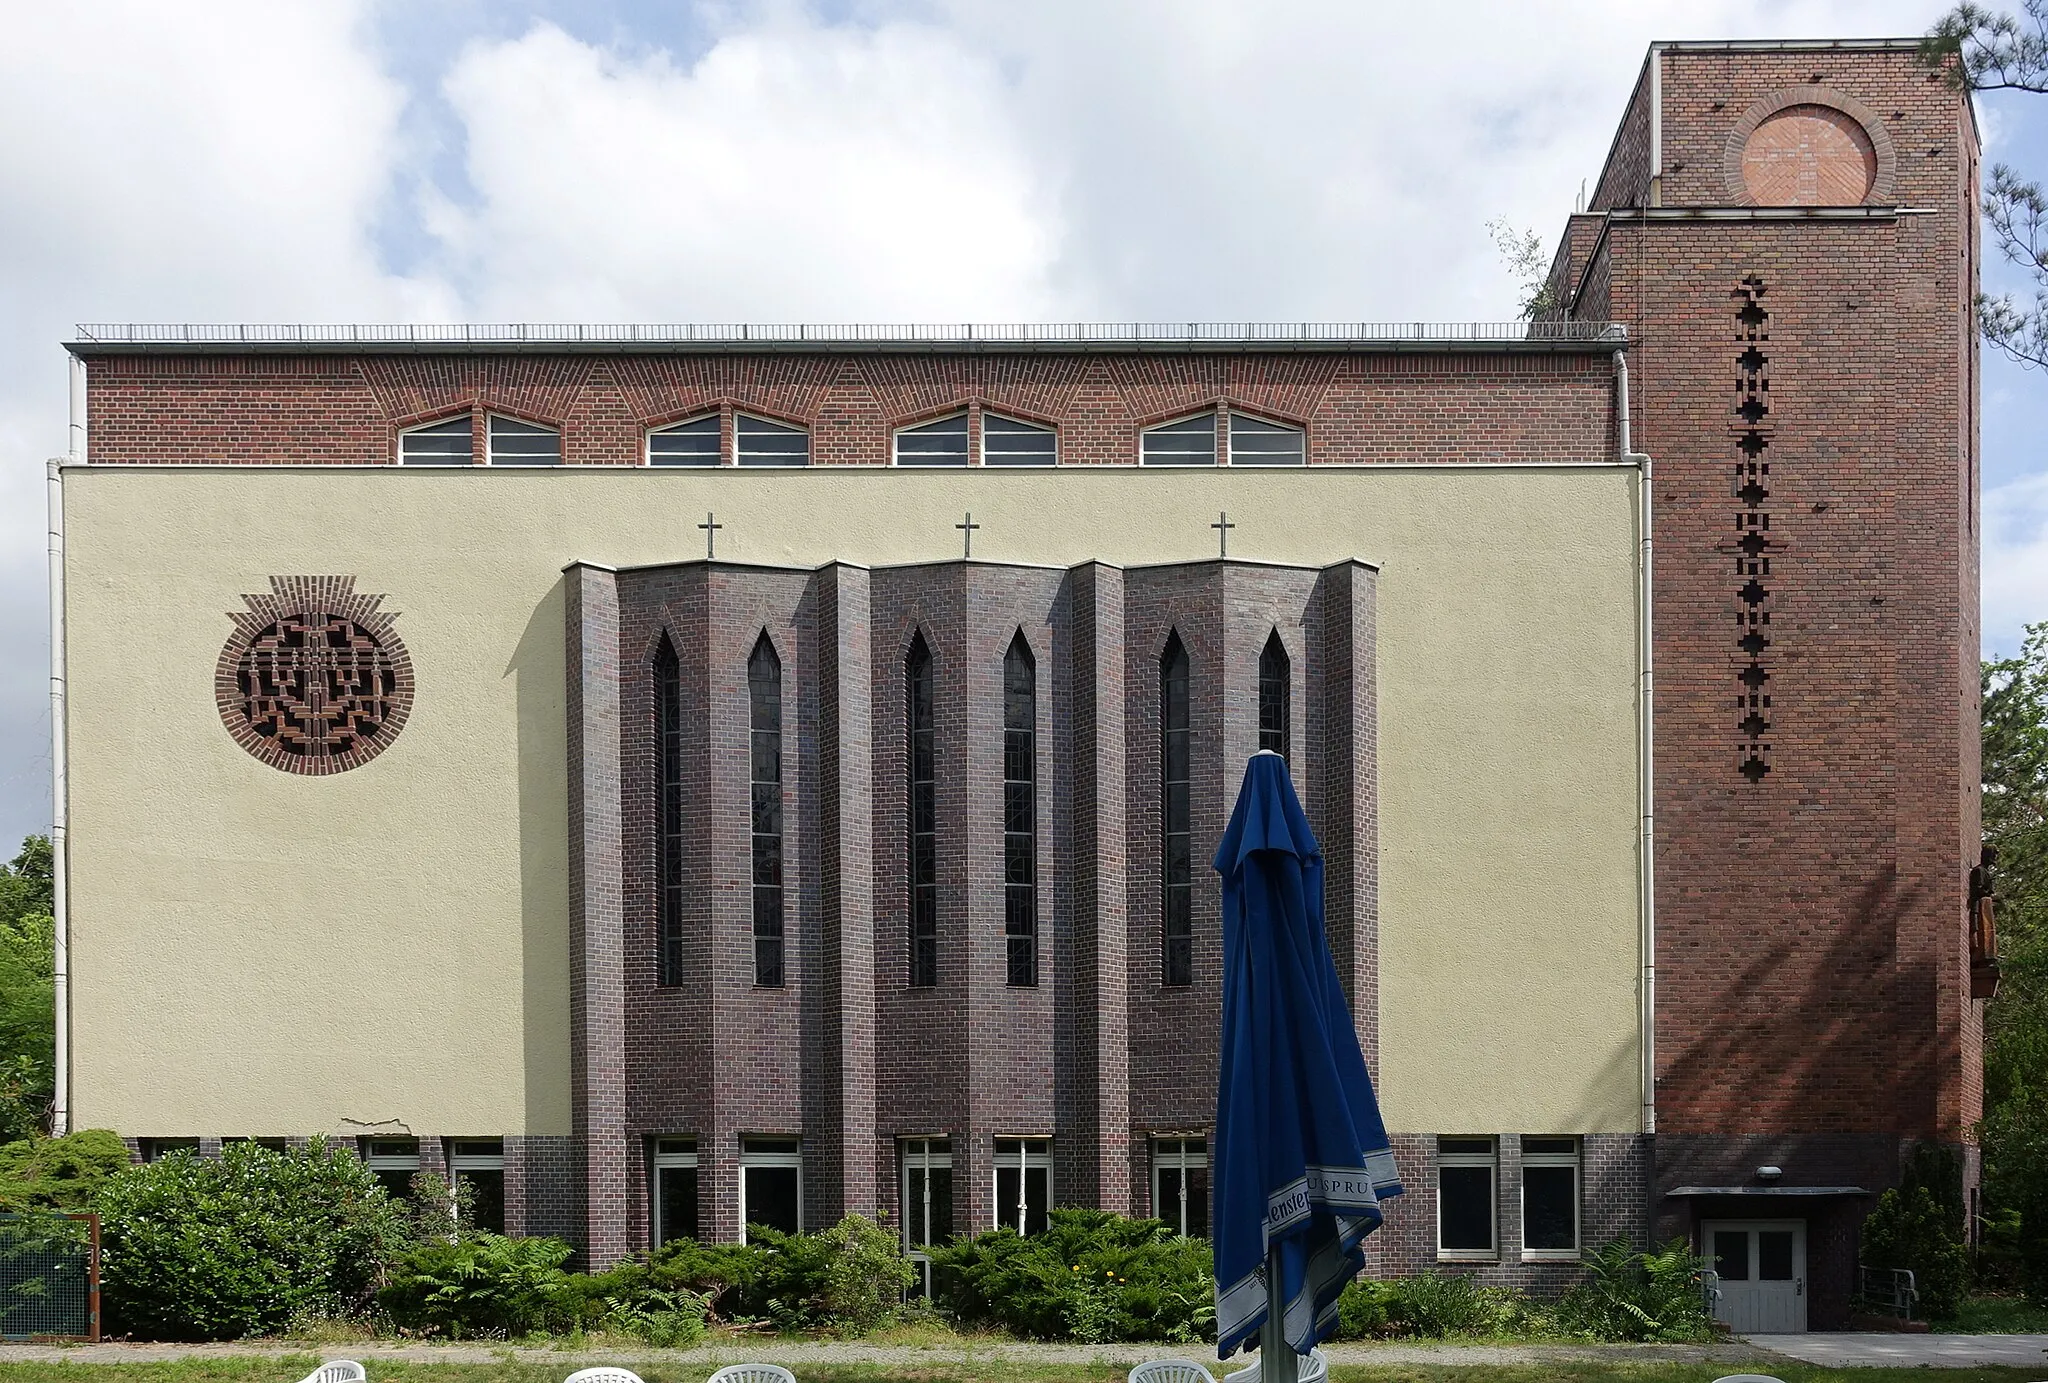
1762 1264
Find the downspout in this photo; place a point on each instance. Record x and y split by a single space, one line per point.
60 776
1646 877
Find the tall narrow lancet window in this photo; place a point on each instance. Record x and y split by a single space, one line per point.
1176 817
1273 696
924 812
668 774
1020 811
764 697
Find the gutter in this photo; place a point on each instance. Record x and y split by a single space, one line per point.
60 769
1646 877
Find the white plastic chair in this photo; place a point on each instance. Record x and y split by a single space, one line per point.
604 1373
338 1371
1747 1378
1314 1369
752 1373
1170 1371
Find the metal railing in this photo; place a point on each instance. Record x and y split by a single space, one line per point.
49 1276
1710 1292
857 333
1889 1291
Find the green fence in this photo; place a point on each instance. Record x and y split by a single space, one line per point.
50 1277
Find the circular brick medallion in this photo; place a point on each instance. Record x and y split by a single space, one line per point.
1809 155
314 679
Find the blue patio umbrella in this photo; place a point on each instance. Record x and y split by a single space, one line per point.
1301 1160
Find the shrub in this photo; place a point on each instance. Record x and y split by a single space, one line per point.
1628 1295
1911 1229
1092 1276
721 1274
60 1173
1430 1306
485 1284
242 1244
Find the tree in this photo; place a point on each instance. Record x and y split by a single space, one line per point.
1522 252
1985 50
28 1030
2015 1128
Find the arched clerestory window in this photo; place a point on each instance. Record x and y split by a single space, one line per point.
764 698
1176 818
922 797
1020 812
668 811
1274 697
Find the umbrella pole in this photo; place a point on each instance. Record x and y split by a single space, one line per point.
1278 1363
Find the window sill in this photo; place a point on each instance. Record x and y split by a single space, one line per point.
1550 1255
1465 1256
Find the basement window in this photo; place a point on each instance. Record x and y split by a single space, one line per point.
1466 1213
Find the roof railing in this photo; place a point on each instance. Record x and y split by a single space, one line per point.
431 334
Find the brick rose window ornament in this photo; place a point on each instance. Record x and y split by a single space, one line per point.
314 679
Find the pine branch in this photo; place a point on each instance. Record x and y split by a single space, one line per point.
1983 50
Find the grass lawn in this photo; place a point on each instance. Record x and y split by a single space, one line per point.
1997 1316
254 1370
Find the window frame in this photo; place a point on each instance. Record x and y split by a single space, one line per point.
927 1159
472 1157
739 453
440 427
1034 1154
755 1157
1176 944
921 801
1555 1158
1183 1161
1048 429
1464 1158
391 1162
966 443
1284 698
672 1154
1257 421
671 796
715 418
491 458
1020 847
767 943
157 1149
1168 426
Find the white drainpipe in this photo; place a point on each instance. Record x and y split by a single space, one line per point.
1646 857
60 780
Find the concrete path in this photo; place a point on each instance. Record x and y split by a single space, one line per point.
1845 1349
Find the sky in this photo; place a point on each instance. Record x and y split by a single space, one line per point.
855 160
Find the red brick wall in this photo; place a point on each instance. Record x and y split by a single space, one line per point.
349 409
1813 970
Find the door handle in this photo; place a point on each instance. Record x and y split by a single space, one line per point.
1799 1287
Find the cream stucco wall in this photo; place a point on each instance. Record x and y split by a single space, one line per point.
259 953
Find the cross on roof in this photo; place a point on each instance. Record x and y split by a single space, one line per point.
710 527
967 527
1223 525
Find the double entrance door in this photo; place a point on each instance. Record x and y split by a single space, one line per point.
1762 1264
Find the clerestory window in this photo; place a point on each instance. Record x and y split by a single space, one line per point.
1014 442
1275 693
1257 442
1176 816
450 442
514 443
1188 442
692 443
668 826
758 442
940 443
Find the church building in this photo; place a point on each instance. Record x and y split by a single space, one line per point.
673 778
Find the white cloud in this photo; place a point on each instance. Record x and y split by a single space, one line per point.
795 172
2015 560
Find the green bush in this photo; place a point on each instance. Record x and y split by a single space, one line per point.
1092 1276
1430 1306
721 1274
1627 1295
1911 1229
848 1279
242 1244
60 1173
483 1284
